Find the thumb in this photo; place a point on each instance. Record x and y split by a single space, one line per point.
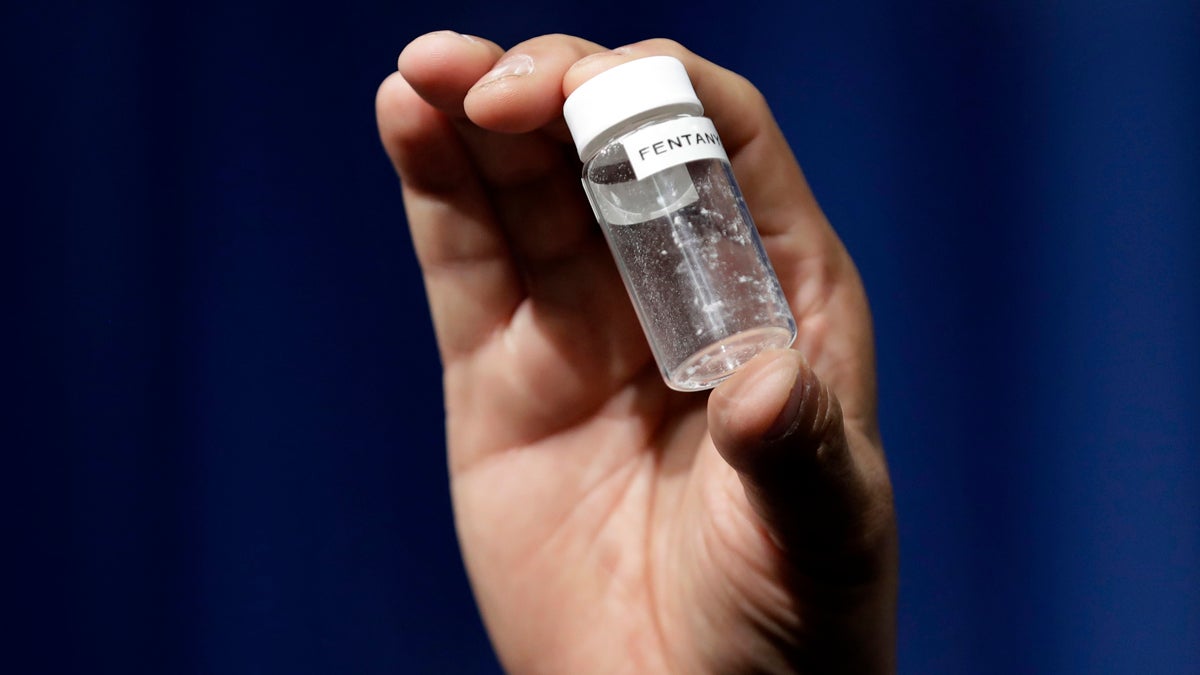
827 507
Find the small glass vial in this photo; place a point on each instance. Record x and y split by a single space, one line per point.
661 187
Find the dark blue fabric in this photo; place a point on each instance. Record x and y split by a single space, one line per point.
224 433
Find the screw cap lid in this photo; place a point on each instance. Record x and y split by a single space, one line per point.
637 89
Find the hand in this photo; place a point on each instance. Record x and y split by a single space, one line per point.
610 524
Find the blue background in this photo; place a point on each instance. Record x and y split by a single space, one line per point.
224 432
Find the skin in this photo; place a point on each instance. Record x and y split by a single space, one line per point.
609 524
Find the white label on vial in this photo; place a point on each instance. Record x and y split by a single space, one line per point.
671 143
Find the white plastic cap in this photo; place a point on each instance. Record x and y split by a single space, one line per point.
640 88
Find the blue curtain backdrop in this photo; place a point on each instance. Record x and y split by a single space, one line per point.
224 428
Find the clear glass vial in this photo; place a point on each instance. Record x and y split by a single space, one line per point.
660 184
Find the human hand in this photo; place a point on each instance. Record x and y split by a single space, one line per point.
609 524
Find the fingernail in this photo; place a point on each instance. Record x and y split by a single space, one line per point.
784 382
450 33
468 38
513 65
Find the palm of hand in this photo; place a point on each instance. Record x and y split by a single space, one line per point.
601 528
